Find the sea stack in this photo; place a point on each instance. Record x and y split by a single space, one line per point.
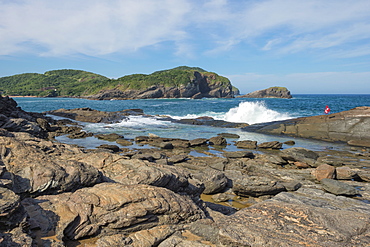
272 92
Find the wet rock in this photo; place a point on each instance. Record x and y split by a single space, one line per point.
246 144
113 148
217 140
271 145
123 142
109 137
166 145
198 142
324 171
229 135
338 188
238 154
79 135
110 208
290 143
87 114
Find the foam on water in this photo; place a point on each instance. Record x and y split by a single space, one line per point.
245 112
134 122
253 112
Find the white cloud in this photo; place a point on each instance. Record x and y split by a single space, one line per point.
89 27
300 83
98 27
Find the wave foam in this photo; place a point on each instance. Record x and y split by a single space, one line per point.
253 112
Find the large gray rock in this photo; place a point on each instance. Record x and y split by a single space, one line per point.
38 167
296 219
346 126
338 188
111 208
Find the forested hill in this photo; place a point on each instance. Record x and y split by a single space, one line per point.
64 82
78 83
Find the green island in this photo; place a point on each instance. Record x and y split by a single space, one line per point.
78 83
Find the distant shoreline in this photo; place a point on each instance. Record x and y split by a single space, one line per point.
11 96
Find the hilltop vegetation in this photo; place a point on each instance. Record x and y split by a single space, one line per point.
65 82
77 83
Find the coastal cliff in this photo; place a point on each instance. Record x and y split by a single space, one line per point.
272 92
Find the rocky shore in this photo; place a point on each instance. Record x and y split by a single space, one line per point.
55 194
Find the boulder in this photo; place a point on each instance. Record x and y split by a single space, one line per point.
217 140
36 170
271 145
257 186
345 173
338 188
246 144
324 171
111 208
214 181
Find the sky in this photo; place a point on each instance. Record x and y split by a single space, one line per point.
308 46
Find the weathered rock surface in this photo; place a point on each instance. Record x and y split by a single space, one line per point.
290 219
87 114
202 86
37 169
111 208
346 126
13 118
272 92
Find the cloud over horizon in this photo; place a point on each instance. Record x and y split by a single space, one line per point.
97 28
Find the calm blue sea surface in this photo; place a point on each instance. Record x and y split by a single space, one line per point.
233 110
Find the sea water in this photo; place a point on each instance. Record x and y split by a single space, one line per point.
244 110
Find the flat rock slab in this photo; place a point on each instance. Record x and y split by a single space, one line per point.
348 126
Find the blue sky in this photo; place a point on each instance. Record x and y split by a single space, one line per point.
308 46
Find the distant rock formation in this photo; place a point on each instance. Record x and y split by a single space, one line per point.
202 86
272 92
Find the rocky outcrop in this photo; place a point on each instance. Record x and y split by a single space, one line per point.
13 118
87 114
111 208
53 193
272 92
351 126
202 86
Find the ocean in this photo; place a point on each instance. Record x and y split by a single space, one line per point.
246 110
